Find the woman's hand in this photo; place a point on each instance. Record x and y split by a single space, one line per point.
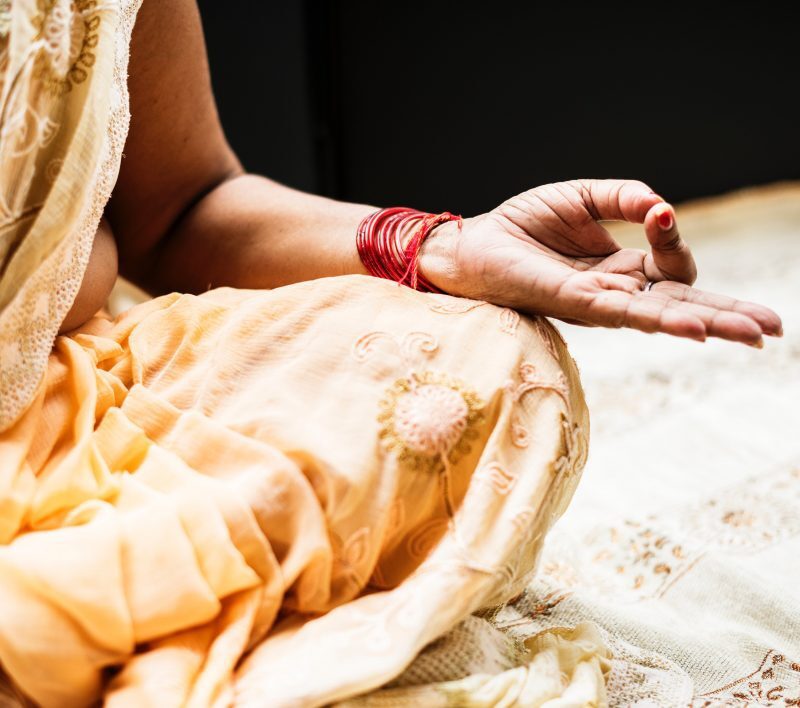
544 252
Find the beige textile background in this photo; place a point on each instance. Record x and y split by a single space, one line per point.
682 543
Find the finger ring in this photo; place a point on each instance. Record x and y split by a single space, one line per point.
648 285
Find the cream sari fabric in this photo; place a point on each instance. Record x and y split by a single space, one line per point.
248 497
64 118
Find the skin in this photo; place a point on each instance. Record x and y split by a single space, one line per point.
185 216
98 279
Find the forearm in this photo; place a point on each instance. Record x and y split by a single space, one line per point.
182 214
181 217
251 232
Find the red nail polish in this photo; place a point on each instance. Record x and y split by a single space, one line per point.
665 220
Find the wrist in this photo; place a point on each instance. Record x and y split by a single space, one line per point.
437 257
390 242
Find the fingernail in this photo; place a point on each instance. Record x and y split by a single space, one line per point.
758 345
658 196
665 220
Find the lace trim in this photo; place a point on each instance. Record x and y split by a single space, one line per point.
29 322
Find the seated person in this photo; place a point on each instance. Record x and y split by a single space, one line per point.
279 479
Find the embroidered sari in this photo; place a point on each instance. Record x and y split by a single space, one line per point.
247 497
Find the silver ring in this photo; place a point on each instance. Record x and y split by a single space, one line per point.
648 285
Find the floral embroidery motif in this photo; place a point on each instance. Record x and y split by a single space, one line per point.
421 341
366 345
531 607
428 416
560 572
531 380
775 682
497 477
352 556
53 168
509 321
427 419
424 538
576 449
448 305
646 560
68 31
25 131
751 522
548 334
520 437
355 550
430 419
5 17
396 518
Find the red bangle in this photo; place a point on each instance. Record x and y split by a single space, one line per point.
381 250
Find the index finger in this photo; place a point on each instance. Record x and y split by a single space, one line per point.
671 258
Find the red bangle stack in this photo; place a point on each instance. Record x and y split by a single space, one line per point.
380 247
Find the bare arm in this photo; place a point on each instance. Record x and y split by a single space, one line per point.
184 214
186 217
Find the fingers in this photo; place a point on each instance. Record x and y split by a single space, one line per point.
656 311
616 199
769 322
721 323
649 315
617 308
617 281
675 309
630 200
671 258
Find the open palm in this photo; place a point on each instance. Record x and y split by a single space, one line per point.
545 252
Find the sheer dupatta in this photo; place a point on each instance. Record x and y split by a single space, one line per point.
63 122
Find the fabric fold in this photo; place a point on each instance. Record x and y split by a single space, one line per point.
277 497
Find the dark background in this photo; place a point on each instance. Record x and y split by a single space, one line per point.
445 105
